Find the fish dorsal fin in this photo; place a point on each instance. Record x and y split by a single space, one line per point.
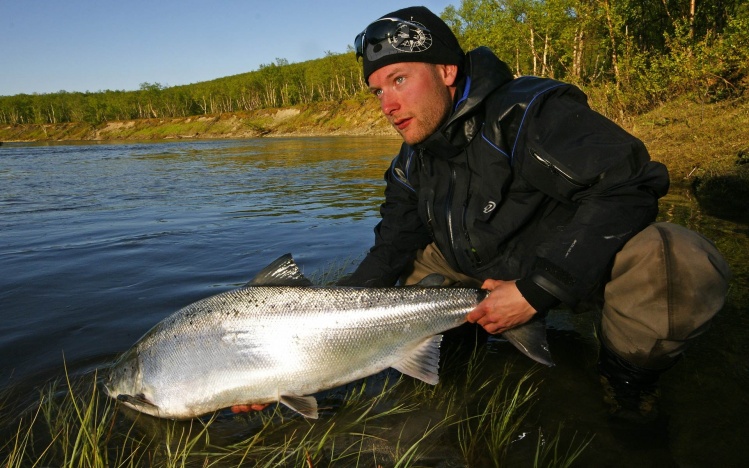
433 280
282 272
530 339
423 362
304 405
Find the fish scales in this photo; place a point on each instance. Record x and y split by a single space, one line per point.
256 342
267 342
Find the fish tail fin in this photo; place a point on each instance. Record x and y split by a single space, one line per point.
530 339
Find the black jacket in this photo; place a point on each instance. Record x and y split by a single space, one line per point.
523 181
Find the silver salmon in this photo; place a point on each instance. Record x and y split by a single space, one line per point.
281 339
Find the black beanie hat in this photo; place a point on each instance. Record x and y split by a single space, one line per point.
435 43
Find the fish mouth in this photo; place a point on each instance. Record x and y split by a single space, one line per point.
106 385
137 401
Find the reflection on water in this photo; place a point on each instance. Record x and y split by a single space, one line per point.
98 242
105 239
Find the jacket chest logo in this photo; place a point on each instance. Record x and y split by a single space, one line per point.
489 207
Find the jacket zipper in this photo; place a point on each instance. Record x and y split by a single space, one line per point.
449 219
448 210
429 203
471 250
555 170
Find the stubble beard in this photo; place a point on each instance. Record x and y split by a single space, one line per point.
430 119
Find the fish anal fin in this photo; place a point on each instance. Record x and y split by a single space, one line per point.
423 361
281 272
304 405
530 339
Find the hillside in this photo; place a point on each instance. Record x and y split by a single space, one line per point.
705 147
350 117
696 140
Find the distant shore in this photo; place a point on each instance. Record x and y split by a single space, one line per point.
698 142
331 118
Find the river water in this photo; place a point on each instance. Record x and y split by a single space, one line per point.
98 242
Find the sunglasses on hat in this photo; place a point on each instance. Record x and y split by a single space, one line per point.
402 35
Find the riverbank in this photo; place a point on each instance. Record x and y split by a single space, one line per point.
704 145
350 117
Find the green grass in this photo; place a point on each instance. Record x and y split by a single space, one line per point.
472 417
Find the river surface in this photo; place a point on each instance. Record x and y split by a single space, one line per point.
98 242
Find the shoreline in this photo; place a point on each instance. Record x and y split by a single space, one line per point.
347 118
703 144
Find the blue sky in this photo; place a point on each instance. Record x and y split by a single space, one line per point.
92 45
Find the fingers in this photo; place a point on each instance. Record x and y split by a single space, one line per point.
475 315
503 308
481 316
247 408
490 284
480 312
491 326
494 329
240 409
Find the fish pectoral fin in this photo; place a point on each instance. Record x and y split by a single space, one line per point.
422 362
304 405
530 339
136 400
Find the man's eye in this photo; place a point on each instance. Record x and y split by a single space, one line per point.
377 92
400 80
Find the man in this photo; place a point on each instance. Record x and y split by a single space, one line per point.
517 186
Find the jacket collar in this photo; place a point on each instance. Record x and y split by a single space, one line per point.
484 74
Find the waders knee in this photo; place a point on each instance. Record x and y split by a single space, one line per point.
666 285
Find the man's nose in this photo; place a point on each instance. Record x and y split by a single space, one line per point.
389 104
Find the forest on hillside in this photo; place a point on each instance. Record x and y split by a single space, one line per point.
633 53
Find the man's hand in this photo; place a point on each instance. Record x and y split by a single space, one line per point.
503 308
247 408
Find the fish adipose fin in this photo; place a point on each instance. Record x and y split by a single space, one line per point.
433 280
423 362
137 400
304 405
282 272
530 339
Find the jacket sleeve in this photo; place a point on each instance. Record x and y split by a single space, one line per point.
579 157
399 234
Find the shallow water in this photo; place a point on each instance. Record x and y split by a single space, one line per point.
98 242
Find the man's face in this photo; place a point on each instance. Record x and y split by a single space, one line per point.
415 97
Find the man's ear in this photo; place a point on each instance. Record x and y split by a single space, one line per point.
449 74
